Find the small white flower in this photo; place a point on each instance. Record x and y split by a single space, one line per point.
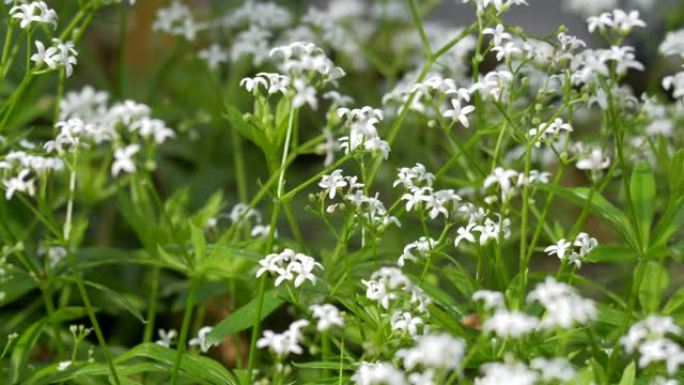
284 343
166 337
459 112
559 249
123 159
514 324
63 365
465 233
491 299
380 373
405 322
19 183
437 351
214 56
328 316
332 183
201 339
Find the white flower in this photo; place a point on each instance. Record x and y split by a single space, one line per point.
289 266
332 183
652 327
560 248
34 12
214 56
514 324
595 160
673 44
465 233
563 304
626 21
405 322
123 159
304 94
45 56
437 351
177 20
284 343
509 373
327 315
502 178
506 51
166 337
416 197
380 373
491 299
63 365
19 183
410 177
499 34
553 369
201 339
459 112
66 55
422 246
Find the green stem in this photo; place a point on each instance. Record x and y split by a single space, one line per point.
256 328
50 308
91 315
421 31
152 305
187 316
286 150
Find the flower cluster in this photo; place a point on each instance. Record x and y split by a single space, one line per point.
575 251
420 195
368 209
363 134
289 265
282 344
649 338
36 12
59 55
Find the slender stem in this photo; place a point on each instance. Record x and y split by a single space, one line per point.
152 304
50 308
91 314
5 50
256 328
239 162
286 150
421 31
187 316
524 262
60 93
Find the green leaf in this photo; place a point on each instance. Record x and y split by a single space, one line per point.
252 133
628 375
15 286
29 337
612 253
198 369
599 206
119 299
212 207
653 284
675 303
24 346
643 191
245 317
52 375
199 243
335 365
671 221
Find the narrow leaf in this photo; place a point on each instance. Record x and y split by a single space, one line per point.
643 189
245 317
